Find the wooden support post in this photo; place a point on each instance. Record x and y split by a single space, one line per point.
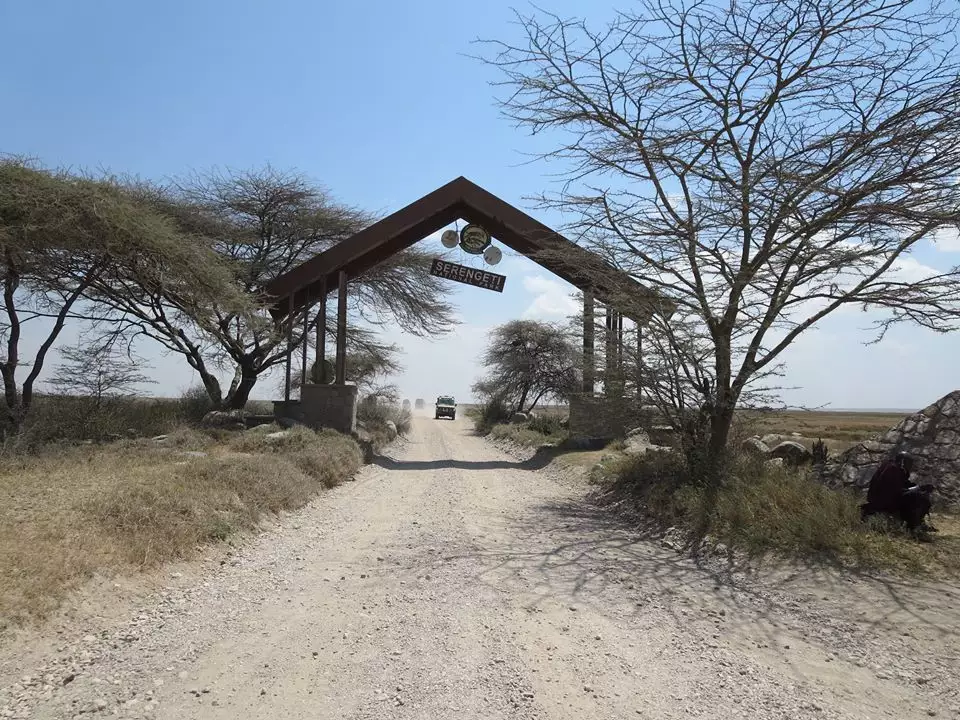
305 372
620 344
589 361
639 368
286 384
322 333
341 377
610 351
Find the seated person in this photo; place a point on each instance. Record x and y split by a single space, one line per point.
892 493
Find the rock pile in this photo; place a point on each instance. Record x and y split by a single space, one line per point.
774 447
932 436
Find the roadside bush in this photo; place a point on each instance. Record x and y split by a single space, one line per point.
194 403
491 413
760 509
70 418
548 425
375 415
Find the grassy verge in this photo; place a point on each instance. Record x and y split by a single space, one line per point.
761 510
69 513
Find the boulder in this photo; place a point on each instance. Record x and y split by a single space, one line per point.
931 435
638 449
792 453
755 447
637 442
639 434
276 436
771 440
519 418
774 463
392 429
225 419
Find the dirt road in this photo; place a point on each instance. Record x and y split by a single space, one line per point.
453 581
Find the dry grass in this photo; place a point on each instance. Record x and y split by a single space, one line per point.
69 514
839 430
761 509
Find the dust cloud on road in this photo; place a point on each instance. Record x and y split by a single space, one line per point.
454 581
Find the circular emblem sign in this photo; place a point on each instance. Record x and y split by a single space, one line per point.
474 239
449 238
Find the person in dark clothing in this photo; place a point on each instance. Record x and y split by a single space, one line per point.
892 493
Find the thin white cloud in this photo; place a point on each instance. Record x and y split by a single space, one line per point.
947 239
552 299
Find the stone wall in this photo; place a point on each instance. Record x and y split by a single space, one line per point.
323 406
932 436
597 416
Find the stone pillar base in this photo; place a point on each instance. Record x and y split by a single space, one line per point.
325 406
601 417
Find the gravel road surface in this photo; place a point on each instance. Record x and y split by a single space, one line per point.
451 580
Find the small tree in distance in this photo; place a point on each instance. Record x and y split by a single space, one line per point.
760 163
98 372
527 361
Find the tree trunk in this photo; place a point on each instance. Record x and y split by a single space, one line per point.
237 399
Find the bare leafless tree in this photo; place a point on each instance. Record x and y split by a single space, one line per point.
98 372
761 163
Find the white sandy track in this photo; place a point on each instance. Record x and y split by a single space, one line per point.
452 581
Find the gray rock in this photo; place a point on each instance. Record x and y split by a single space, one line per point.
792 453
392 429
931 435
159 438
275 436
519 418
755 447
228 419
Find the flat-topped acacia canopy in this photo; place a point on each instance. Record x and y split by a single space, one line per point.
462 199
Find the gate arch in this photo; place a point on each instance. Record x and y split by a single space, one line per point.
309 284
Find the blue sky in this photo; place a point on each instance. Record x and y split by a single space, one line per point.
380 102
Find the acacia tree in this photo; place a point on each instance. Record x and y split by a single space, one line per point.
59 235
98 372
761 163
527 361
259 224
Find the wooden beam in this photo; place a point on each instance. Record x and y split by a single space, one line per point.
341 377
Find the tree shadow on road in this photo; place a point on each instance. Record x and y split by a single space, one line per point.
577 553
541 459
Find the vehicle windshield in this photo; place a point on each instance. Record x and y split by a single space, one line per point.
445 400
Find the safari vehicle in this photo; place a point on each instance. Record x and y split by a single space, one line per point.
419 404
446 407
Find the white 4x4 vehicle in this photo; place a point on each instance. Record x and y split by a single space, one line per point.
446 407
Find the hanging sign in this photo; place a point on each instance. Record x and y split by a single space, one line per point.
468 275
474 239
